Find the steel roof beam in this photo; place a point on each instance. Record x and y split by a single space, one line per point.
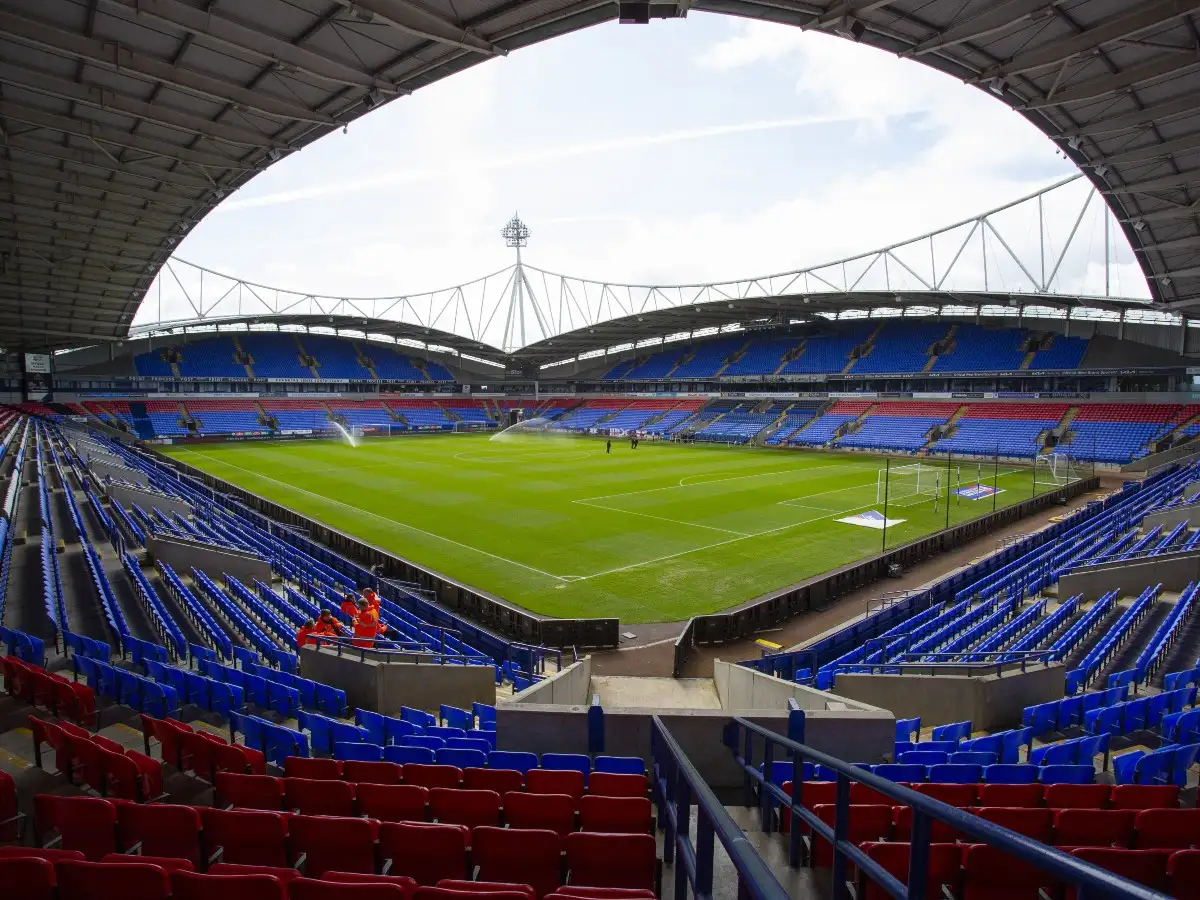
420 22
1187 104
1169 214
77 179
1107 85
69 282
92 204
49 224
106 99
114 57
216 27
104 134
1147 16
95 159
39 253
1173 181
1003 16
1184 144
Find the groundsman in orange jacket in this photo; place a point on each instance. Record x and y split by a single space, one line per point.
366 625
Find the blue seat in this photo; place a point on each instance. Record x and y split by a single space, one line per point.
245 656
356 751
1088 748
462 758
1174 680
454 717
398 753
283 742
1011 773
282 699
623 765
1182 727
484 713
1135 715
1042 718
432 744
375 725
1157 706
199 690
439 731
781 770
198 652
224 699
902 747
1053 754
973 757
900 772
955 773
398 728
250 727
908 729
481 734
1070 711
1183 697
417 717
467 743
924 757
1012 742
936 746
955 731
578 762
307 689
159 700
512 759
1068 775
330 700
991 743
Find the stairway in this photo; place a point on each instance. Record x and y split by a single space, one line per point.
733 357
1184 653
141 421
1075 657
244 359
685 358
769 431
1178 429
1033 347
863 349
307 360
264 417
789 355
365 361
1127 655
176 372
940 348
419 365
186 419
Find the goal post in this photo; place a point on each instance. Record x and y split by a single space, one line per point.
913 482
1054 469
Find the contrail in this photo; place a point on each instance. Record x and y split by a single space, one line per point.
552 154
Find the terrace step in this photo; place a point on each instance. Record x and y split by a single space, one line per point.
241 357
789 355
1136 640
733 357
941 347
305 355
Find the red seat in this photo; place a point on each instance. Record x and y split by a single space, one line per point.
867 822
1146 867
311 889
311 767
861 794
249 837
991 874
401 881
463 807
328 842
238 758
1183 875
160 829
612 860
50 854
432 776
553 812
169 734
1037 824
284 874
1093 827
249 791
190 886
555 781
576 892
393 802
1155 828
939 832
1027 795
424 852
166 863
620 815
1078 796
361 771
502 781
813 793
27 878
85 759
440 893
104 881
486 887
945 868
131 776
87 824
609 784
310 797
10 816
961 795
530 856
74 700
51 734
1145 796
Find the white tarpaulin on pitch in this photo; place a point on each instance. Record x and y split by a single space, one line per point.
871 519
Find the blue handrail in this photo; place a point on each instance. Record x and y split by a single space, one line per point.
677 787
1090 880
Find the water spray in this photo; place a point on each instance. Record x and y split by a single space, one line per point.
349 438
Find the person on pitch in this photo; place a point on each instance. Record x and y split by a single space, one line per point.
608 447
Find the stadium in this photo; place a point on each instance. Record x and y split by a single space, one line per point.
876 576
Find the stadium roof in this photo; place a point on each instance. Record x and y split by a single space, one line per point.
123 122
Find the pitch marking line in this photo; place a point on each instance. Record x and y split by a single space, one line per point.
630 512
366 512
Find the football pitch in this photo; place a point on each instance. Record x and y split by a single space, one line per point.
558 526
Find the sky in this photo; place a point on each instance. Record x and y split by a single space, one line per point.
699 149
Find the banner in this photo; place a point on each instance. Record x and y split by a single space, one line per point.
871 519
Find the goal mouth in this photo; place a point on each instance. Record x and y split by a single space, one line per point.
912 483
1055 469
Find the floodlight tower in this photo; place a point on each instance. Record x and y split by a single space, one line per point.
516 235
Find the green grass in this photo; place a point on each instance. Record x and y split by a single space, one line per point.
559 527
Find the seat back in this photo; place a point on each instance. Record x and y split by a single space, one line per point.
432 776
459 806
87 824
520 855
330 842
247 837
310 797
550 812
1034 823
424 852
363 771
502 781
1159 828
392 802
249 791
193 886
612 860
169 830
555 781
103 881
1077 796
620 815
312 767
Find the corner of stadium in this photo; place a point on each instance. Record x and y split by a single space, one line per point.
876 578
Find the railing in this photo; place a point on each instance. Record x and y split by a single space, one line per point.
346 646
1088 880
942 663
677 787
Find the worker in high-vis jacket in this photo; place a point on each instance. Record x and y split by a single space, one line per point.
366 625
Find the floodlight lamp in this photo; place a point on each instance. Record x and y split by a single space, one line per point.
1139 226
515 233
998 86
851 29
1101 171
1074 142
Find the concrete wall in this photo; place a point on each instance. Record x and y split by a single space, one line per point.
1169 518
181 555
992 702
1174 571
1191 490
570 687
103 470
1180 453
385 686
743 688
851 735
127 495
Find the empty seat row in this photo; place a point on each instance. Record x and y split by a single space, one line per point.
1055 796
32 684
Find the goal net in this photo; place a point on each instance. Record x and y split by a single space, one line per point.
912 482
1054 469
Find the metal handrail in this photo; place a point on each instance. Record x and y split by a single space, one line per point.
1091 881
341 644
677 787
